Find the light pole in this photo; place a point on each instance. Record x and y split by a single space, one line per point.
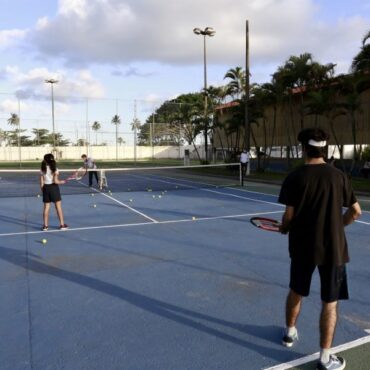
51 81
208 31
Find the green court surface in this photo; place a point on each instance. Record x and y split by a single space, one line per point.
355 353
357 358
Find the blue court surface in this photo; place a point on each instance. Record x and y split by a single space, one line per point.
175 279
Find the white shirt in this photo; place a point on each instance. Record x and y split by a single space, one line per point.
89 163
49 176
244 157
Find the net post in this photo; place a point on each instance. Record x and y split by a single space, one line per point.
241 177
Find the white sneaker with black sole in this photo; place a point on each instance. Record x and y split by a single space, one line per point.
335 363
288 340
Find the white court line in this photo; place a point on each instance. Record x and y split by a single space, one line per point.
363 222
176 182
124 205
138 224
240 197
315 356
257 192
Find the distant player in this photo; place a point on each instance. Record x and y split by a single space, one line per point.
49 182
314 195
244 161
90 165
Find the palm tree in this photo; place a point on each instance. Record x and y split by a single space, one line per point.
235 87
120 141
96 127
323 103
135 125
361 62
116 120
350 88
15 122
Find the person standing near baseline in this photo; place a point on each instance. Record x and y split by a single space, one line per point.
314 195
90 165
49 183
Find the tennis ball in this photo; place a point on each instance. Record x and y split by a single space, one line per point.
94 205
44 241
153 196
193 218
130 200
92 194
159 196
38 195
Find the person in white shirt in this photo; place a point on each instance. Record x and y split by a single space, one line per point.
49 183
90 165
365 170
244 160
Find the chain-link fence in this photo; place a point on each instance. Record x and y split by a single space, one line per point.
104 128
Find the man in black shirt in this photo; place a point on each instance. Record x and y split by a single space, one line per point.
314 195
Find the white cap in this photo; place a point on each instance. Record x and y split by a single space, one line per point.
319 144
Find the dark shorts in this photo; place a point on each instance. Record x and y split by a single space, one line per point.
333 280
51 193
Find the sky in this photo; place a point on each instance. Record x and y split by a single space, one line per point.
127 56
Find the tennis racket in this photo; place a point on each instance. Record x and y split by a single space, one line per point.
77 175
264 223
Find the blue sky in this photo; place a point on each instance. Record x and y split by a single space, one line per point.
116 51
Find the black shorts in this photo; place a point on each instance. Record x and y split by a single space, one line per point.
51 193
333 280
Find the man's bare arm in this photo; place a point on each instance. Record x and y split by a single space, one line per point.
352 214
286 220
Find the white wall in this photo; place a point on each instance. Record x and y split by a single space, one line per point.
97 152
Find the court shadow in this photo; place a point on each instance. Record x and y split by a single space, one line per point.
192 319
18 221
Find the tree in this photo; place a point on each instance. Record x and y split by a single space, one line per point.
120 141
116 120
41 136
361 62
323 102
176 121
236 86
15 122
81 142
96 127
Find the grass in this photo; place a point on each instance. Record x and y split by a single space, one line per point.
359 184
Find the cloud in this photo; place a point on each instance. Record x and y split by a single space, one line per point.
9 37
12 106
31 84
118 32
131 72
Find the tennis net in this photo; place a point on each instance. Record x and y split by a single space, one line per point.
25 183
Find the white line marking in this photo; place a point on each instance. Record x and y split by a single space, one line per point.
121 203
176 182
363 222
315 356
127 206
273 195
240 197
138 224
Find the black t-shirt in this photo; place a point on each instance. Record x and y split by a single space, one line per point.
317 192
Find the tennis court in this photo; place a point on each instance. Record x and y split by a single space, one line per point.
165 273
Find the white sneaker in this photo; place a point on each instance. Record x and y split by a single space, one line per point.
335 363
288 340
